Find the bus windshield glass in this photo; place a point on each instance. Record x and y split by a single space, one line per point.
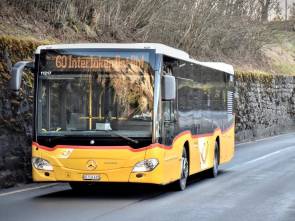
95 92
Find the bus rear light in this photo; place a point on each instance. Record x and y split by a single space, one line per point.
145 165
41 164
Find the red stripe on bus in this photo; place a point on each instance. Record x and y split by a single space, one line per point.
130 148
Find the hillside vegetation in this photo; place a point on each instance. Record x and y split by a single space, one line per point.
230 31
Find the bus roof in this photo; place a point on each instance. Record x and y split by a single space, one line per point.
159 48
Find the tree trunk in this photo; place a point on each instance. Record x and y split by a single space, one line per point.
265 6
264 14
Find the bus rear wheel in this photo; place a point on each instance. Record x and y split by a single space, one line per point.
213 172
180 184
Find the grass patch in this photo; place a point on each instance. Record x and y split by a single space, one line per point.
280 54
254 76
285 69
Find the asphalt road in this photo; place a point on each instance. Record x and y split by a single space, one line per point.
259 184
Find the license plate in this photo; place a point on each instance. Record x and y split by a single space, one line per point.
91 177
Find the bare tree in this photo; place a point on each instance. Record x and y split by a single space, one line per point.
266 6
292 12
215 29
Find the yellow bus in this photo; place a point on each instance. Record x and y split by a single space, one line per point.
139 113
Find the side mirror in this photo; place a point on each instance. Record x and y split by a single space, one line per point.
17 73
168 88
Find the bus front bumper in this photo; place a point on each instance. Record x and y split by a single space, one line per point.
117 175
71 165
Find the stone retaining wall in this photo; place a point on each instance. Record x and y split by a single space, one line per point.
264 105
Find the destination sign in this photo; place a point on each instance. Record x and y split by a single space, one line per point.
91 62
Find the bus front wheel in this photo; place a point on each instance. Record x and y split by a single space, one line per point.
184 168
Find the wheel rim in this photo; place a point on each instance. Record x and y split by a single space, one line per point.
184 170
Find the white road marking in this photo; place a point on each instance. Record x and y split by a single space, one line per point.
262 139
264 157
28 189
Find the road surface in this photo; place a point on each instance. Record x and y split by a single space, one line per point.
259 184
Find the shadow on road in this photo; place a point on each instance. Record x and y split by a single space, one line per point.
124 190
107 191
199 178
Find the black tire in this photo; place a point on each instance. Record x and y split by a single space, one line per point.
213 172
180 184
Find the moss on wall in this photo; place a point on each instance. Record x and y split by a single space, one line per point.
12 50
15 112
254 76
264 104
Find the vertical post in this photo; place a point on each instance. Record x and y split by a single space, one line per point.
100 105
286 15
90 102
286 10
48 104
63 111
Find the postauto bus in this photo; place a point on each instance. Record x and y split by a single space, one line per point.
139 113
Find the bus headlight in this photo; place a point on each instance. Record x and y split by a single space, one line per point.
145 165
41 164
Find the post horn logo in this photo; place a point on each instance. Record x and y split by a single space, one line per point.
91 165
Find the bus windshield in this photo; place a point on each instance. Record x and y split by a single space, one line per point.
94 93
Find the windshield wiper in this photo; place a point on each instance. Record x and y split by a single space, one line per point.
122 136
88 135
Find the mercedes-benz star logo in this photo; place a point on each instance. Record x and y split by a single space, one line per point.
91 165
